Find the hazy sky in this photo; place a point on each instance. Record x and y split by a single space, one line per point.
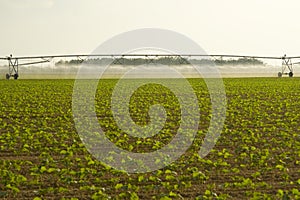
256 27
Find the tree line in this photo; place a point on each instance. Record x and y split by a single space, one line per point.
162 61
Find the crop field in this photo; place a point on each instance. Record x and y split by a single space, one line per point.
257 155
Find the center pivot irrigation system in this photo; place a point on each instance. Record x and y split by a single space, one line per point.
13 62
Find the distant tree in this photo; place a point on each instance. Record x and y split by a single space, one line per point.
168 60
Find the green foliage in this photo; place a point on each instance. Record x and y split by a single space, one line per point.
256 157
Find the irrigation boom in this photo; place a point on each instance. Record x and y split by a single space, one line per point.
13 62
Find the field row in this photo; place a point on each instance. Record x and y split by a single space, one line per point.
257 155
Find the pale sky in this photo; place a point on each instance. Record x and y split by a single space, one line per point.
44 27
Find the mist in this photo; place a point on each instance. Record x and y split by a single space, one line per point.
117 71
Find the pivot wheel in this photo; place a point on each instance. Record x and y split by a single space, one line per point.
279 74
7 76
291 74
16 76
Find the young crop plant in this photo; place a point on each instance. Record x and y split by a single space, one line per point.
257 155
